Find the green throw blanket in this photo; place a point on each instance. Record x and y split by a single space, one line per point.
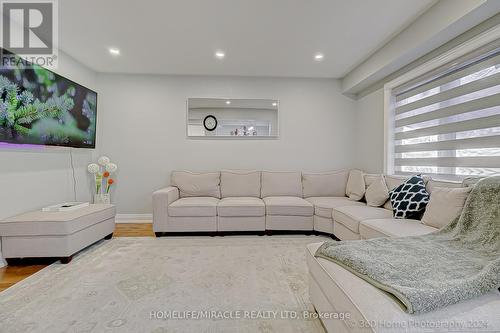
424 273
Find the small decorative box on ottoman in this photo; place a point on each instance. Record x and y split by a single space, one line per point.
55 234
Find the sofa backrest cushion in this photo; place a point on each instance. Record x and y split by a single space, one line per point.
356 188
371 177
192 184
393 181
446 205
240 183
471 181
432 183
275 183
326 184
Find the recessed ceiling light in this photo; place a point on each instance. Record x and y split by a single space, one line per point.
114 51
319 56
274 104
220 54
228 102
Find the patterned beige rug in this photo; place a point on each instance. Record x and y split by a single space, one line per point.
222 284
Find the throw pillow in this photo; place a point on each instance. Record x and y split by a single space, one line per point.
445 205
392 182
409 199
377 193
355 189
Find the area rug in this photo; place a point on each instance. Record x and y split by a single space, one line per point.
171 284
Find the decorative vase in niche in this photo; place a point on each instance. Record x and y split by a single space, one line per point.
102 198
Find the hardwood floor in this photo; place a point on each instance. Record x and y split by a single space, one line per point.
133 230
10 275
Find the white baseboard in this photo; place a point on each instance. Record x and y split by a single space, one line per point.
134 218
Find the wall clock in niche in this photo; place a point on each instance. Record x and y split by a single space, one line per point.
210 123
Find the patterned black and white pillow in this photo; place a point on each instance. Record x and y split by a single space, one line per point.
409 199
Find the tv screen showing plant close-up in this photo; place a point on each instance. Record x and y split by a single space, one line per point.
38 106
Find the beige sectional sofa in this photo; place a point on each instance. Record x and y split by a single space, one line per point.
335 290
255 201
364 222
258 201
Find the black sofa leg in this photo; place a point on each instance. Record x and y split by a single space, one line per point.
66 260
13 261
158 234
109 236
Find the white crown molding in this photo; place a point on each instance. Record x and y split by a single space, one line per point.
134 218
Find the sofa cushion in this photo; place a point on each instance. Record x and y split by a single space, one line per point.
393 228
351 216
431 184
241 206
323 206
369 178
445 205
392 182
192 184
288 206
195 206
377 194
37 222
240 183
471 181
327 184
410 198
275 183
355 189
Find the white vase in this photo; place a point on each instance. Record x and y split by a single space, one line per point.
102 198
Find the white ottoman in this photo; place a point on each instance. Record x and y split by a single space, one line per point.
55 234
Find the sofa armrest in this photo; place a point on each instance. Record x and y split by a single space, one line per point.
161 200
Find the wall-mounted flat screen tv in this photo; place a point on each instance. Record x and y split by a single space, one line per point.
38 106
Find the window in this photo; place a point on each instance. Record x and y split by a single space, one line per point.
447 122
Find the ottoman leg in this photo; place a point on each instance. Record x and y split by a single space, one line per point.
109 236
66 260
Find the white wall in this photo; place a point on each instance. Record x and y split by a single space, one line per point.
31 178
370 132
144 118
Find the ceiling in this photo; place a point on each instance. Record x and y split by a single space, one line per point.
276 38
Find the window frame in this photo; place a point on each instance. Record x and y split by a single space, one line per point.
471 45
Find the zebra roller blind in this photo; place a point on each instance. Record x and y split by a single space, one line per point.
447 122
